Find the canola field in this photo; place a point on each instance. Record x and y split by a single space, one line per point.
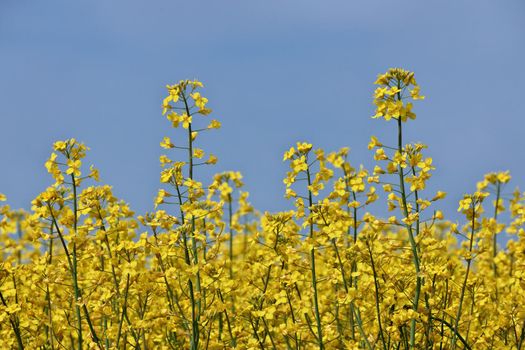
206 270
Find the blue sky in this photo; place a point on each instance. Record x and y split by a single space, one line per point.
276 72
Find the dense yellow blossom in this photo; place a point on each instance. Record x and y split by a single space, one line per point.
205 270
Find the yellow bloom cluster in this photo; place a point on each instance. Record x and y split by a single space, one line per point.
205 270
396 86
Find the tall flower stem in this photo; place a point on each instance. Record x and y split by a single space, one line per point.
14 324
494 241
376 285
410 230
312 265
464 286
78 291
195 304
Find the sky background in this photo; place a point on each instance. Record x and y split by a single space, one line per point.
276 72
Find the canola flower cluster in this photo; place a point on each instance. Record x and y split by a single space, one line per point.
205 270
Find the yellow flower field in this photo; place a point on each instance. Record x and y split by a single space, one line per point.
206 270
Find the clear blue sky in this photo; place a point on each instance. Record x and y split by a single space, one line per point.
276 72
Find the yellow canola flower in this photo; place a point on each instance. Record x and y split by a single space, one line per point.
60 146
200 101
74 167
439 195
414 93
211 159
164 160
426 165
186 121
299 164
214 124
374 142
304 147
166 143
390 98
198 153
289 154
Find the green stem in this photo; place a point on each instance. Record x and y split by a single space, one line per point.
360 327
445 299
256 334
342 269
269 333
312 264
230 218
74 266
461 339
171 296
121 321
105 328
376 285
78 291
233 340
494 242
292 313
464 286
195 305
266 280
410 235
14 324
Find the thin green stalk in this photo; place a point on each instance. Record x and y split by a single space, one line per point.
49 311
429 330
410 234
456 334
230 218
353 311
472 303
360 327
233 339
464 286
292 313
170 295
256 333
72 269
123 313
352 306
354 263
266 281
445 299
376 285
105 328
514 331
142 313
108 247
306 316
209 335
312 264
494 242
341 267
78 291
50 318
269 333
195 315
14 324
74 264
427 304
522 336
